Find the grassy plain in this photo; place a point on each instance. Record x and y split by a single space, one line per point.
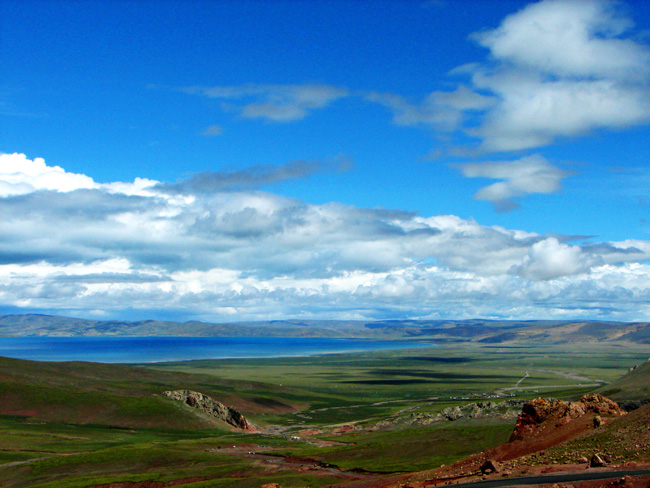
82 424
343 388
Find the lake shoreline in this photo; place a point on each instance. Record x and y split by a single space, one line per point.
166 349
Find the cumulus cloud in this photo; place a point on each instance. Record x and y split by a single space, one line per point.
549 259
210 254
277 103
571 38
534 112
19 175
556 69
530 174
561 68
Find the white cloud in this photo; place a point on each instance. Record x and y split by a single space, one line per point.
441 109
530 174
556 68
278 103
19 175
534 112
561 68
209 254
549 259
570 38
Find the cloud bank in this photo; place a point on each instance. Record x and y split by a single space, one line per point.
79 247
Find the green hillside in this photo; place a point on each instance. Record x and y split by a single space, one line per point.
635 385
114 395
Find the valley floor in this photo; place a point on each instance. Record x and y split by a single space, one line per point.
371 419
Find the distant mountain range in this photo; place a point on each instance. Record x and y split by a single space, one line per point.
439 331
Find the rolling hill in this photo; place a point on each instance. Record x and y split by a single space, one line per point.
117 395
487 332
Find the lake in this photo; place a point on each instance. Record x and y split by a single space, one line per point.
156 349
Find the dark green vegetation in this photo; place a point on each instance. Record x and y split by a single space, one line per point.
83 424
64 455
410 449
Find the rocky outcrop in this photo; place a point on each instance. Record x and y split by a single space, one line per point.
541 410
508 409
505 410
452 413
600 405
211 407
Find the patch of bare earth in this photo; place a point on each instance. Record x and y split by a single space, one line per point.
149 483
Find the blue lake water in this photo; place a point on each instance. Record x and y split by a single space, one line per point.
155 349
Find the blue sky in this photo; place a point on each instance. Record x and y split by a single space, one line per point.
253 160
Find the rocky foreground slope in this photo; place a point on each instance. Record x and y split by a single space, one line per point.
555 436
550 437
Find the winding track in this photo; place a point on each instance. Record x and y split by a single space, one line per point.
574 376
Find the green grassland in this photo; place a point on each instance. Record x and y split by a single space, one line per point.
343 388
409 449
82 424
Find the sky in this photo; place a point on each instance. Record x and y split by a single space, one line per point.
255 160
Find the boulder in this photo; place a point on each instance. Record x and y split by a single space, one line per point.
490 466
597 461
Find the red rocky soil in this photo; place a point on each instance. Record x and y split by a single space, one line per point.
542 425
